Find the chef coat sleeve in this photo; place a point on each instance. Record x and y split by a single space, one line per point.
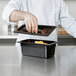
66 20
12 5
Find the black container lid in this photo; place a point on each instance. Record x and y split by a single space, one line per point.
43 30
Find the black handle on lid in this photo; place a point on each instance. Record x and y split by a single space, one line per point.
21 27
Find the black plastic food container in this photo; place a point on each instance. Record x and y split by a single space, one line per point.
30 48
43 30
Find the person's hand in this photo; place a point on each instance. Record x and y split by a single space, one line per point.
31 23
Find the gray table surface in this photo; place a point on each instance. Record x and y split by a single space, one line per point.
63 64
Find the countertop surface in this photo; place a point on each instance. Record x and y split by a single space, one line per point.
63 64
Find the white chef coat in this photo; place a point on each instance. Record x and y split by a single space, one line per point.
48 12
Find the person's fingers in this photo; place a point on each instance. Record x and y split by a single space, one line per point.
30 27
31 23
33 26
27 26
36 26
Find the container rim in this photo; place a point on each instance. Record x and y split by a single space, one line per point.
54 42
